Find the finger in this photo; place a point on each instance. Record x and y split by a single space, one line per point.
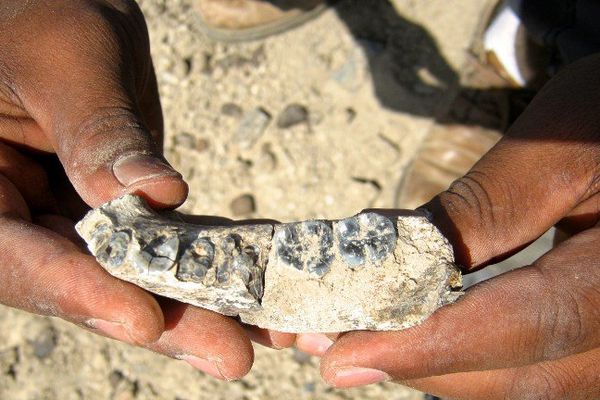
271 339
542 312
315 344
541 170
12 203
575 377
44 273
206 340
86 99
61 225
29 179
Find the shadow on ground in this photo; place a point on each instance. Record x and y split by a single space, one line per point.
410 74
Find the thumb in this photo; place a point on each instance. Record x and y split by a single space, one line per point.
87 81
543 170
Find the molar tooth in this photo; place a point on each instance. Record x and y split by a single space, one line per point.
166 246
141 261
115 250
196 261
101 234
306 246
369 235
353 252
163 251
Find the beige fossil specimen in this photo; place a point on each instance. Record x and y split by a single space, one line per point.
365 272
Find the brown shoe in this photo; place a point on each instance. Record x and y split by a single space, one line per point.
472 126
244 20
448 153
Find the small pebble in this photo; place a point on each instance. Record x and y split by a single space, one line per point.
350 114
115 377
267 161
202 145
253 125
301 357
294 114
310 387
185 140
243 205
232 110
45 343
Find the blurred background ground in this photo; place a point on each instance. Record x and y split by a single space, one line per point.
338 108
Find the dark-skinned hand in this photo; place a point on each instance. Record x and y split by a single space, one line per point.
77 83
533 333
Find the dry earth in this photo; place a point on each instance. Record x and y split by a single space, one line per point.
366 82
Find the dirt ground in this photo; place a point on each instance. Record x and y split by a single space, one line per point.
317 122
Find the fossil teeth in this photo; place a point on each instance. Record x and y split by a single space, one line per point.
163 253
113 251
365 237
306 246
363 272
195 262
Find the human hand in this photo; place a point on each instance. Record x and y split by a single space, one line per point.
533 332
76 80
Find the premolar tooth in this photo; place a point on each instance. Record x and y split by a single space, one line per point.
114 251
196 261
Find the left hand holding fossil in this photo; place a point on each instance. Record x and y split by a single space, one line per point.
95 104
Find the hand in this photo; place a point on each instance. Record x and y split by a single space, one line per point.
76 80
533 332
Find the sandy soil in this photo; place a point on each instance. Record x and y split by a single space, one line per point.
366 81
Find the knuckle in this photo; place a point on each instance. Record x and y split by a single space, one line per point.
478 191
570 319
476 199
543 382
469 191
109 131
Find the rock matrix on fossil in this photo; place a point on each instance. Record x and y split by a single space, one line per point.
364 272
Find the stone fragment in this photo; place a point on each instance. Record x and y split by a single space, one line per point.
243 205
232 110
45 343
365 272
202 145
185 140
253 125
294 114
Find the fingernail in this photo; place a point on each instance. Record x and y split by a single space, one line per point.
314 343
134 168
207 366
356 376
114 330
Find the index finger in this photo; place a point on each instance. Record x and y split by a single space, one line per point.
537 174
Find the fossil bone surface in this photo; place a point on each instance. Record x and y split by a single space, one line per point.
365 272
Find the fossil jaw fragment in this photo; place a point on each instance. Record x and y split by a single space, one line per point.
364 272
